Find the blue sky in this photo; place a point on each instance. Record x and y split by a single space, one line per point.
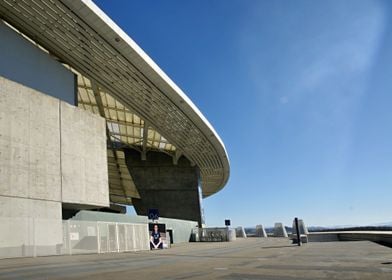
299 91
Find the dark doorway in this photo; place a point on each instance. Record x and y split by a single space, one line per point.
170 232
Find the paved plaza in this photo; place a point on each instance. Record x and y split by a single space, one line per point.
251 258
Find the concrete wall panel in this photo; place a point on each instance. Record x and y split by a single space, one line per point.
83 157
30 148
31 139
32 133
29 143
173 189
29 227
25 63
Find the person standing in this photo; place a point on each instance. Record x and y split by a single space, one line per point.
155 239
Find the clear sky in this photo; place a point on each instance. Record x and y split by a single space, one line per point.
299 91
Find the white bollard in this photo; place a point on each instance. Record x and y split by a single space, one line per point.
240 232
280 230
260 231
302 228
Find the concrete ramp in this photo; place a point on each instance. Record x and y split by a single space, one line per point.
280 230
260 231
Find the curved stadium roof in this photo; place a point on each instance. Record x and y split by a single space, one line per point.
143 107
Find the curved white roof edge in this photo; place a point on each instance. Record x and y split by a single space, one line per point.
161 74
124 36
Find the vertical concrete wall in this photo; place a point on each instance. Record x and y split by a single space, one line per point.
25 63
40 137
50 152
29 227
83 157
29 143
30 181
172 189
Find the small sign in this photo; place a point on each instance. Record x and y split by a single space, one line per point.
227 223
74 235
153 214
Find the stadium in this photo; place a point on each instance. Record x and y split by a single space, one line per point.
89 122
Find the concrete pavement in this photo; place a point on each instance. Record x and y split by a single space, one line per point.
251 258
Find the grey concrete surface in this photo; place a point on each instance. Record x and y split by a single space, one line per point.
43 159
29 227
171 188
83 157
251 258
25 63
30 176
42 163
29 143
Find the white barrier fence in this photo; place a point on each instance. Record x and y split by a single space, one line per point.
215 234
80 237
31 237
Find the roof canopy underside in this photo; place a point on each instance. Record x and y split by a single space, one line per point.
142 106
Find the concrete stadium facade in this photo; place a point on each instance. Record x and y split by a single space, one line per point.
88 120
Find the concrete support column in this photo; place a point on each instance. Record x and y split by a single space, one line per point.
171 188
